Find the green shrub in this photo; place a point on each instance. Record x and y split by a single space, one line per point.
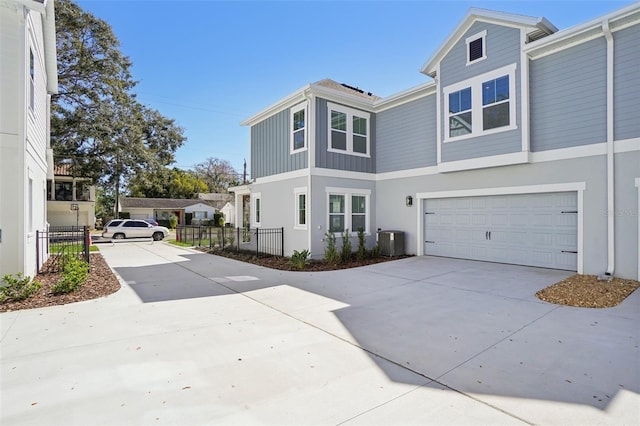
362 253
331 254
18 287
345 253
299 258
74 274
376 251
173 221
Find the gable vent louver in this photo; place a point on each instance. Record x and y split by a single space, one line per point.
475 50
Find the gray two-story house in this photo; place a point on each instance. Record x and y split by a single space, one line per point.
523 147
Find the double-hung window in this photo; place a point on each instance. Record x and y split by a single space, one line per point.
482 105
349 130
348 209
298 128
300 212
256 199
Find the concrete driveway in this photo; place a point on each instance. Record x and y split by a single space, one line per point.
198 339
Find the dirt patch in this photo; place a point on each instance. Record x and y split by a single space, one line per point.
585 291
101 282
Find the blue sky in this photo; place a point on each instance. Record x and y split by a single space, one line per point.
211 64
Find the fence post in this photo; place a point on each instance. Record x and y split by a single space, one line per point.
38 250
86 244
282 242
257 241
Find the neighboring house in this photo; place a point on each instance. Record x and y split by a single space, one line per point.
163 208
524 148
28 75
70 200
223 203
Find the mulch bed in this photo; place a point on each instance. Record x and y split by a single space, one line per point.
101 282
586 291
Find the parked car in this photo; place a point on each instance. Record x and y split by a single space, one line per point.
133 228
152 221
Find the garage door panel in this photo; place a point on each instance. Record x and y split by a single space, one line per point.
527 229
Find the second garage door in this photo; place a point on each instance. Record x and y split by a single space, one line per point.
528 229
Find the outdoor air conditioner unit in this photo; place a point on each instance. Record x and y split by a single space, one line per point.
391 243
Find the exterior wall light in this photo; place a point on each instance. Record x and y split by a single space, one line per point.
409 200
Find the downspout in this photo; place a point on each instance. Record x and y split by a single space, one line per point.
610 156
311 159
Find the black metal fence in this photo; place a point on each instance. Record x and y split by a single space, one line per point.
260 241
55 245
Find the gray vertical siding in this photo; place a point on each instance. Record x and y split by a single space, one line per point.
334 160
270 147
569 97
406 136
627 83
502 49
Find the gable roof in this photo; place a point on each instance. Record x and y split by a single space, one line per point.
537 28
327 88
159 203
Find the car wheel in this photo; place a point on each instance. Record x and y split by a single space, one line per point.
118 236
157 236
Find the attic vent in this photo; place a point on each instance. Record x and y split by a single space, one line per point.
476 47
475 50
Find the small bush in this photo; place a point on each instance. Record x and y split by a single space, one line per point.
173 221
331 254
299 258
362 253
345 253
74 274
376 251
18 287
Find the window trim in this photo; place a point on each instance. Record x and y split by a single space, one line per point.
347 193
293 111
32 81
481 35
296 213
477 108
256 209
350 113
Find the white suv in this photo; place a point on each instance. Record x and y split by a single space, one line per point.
133 228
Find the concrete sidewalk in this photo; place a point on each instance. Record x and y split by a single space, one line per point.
198 339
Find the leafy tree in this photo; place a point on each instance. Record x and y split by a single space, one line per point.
218 174
96 119
166 183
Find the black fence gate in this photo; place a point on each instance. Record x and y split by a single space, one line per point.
260 241
55 245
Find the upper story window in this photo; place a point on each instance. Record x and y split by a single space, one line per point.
298 129
32 73
348 130
476 47
482 105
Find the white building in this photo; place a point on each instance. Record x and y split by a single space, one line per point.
28 77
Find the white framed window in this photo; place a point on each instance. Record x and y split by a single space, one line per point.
298 128
256 210
32 76
348 209
300 212
482 105
349 130
476 47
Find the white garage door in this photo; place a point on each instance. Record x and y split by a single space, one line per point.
530 229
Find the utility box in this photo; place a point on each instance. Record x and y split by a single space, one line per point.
391 243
